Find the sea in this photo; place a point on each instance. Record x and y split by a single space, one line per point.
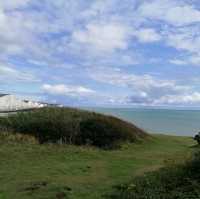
158 121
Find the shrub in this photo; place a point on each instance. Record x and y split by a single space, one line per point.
175 182
72 126
102 132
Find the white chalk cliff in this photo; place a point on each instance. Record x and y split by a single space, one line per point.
12 103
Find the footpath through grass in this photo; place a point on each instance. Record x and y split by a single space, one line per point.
32 171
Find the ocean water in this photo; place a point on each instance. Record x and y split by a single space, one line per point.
172 122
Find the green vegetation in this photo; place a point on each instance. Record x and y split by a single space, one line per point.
72 126
32 171
174 182
55 153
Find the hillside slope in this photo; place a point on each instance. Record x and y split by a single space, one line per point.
30 171
72 126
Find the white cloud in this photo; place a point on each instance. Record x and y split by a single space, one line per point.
188 60
67 90
103 37
184 41
178 62
103 33
12 4
189 99
102 26
148 90
147 35
138 82
51 30
8 73
173 12
195 59
187 41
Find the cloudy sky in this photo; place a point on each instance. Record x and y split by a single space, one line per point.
101 52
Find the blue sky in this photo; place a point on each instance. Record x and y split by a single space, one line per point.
101 52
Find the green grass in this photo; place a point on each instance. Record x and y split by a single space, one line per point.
175 181
32 171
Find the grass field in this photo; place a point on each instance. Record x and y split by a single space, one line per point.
32 171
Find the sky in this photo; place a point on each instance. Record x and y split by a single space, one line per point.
101 52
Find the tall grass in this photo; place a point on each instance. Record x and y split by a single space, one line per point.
72 126
7 137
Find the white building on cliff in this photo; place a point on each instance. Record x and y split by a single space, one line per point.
12 103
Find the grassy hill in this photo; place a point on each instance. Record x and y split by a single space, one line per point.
56 153
29 170
72 126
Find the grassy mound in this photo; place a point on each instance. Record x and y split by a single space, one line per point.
174 182
72 126
29 170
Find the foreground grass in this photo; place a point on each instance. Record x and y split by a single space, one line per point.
176 181
29 171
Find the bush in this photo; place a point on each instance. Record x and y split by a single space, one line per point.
175 182
72 126
103 132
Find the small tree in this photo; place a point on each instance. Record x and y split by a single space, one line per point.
197 138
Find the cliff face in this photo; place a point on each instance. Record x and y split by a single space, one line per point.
12 103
